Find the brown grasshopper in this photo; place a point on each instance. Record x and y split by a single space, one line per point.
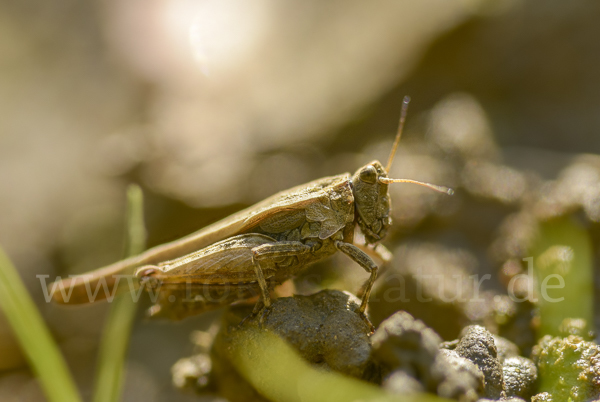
255 249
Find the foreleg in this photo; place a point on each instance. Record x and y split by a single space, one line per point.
362 259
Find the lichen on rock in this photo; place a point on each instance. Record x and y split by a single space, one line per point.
569 368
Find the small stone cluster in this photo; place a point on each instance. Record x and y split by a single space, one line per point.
403 355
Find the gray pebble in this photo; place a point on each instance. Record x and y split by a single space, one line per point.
403 343
462 379
478 346
505 348
401 383
520 377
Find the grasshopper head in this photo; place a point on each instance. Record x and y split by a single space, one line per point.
372 201
370 187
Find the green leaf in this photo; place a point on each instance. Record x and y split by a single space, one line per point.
34 336
115 340
564 274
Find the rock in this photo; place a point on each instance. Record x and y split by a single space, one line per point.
400 382
463 380
505 351
505 348
325 328
520 377
192 372
403 343
569 368
576 188
449 345
542 397
519 327
477 345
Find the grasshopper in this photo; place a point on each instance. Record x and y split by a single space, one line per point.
250 252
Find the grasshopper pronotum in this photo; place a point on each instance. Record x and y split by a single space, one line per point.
261 246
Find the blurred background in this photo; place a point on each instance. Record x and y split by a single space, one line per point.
213 105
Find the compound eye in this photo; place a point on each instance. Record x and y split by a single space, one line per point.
369 174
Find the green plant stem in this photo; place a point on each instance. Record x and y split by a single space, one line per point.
115 340
34 337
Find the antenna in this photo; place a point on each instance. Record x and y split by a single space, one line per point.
441 189
405 103
386 180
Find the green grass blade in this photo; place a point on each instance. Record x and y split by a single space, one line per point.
42 352
115 340
136 229
278 373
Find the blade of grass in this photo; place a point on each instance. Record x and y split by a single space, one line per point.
115 340
34 337
278 373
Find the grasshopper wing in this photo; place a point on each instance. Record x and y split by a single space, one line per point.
328 200
228 262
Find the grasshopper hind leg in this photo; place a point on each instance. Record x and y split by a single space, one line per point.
258 307
263 304
265 252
